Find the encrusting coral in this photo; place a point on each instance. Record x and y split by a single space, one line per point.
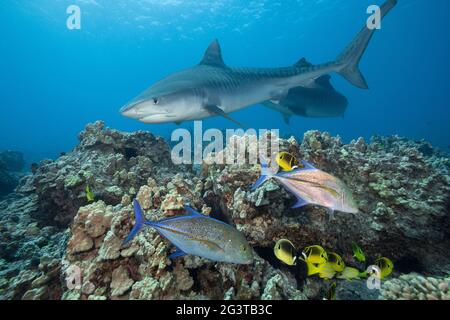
110 162
414 286
403 223
49 228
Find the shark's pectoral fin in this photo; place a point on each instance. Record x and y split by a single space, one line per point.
285 111
219 112
178 122
287 118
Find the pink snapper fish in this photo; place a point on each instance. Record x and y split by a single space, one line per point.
312 186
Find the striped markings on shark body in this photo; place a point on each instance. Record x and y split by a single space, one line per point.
212 88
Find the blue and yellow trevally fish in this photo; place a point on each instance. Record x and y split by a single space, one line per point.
198 235
312 186
286 161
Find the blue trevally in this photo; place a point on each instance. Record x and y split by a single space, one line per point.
198 235
312 186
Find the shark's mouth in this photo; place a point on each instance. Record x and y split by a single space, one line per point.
157 117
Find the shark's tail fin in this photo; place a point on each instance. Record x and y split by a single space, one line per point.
138 224
351 56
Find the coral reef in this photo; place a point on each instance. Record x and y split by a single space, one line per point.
55 244
143 271
11 170
402 193
30 254
112 163
414 286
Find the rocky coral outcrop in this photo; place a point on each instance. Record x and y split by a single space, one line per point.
11 170
402 189
55 244
110 162
30 254
142 269
414 286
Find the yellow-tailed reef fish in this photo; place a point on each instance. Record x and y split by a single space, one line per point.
286 161
358 253
349 273
89 194
324 270
312 186
199 235
285 252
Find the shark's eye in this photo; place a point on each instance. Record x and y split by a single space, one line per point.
243 248
155 101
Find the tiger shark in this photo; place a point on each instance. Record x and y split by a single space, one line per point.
318 100
212 88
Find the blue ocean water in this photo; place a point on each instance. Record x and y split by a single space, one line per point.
53 80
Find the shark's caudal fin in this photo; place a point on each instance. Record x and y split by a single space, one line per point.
352 55
139 222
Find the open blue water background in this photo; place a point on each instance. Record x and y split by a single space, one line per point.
53 81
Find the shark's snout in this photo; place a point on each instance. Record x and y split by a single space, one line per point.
142 111
132 110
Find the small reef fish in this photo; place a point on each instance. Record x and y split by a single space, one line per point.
312 186
358 253
198 235
286 161
324 270
285 252
349 273
336 262
386 266
331 292
89 194
315 255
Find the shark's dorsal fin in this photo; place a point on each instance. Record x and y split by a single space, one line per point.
213 55
324 81
302 63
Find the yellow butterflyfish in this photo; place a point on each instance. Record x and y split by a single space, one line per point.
386 266
286 161
315 255
336 262
285 252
